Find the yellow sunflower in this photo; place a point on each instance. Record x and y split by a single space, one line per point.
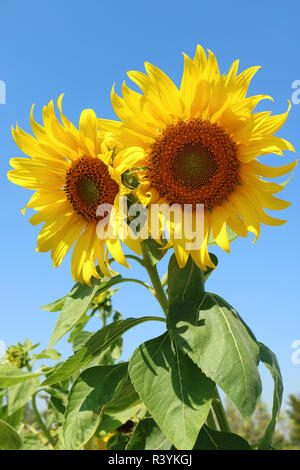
73 173
199 145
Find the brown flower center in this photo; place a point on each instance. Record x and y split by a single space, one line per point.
89 184
193 162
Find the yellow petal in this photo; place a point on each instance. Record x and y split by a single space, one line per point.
219 219
247 212
69 237
88 132
272 172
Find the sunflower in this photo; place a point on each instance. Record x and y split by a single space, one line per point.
199 145
73 173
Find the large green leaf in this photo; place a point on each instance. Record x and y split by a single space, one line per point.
270 361
215 339
186 283
94 388
211 332
124 406
95 345
19 394
175 391
9 438
10 375
148 436
210 439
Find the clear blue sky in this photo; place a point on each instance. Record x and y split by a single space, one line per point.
81 49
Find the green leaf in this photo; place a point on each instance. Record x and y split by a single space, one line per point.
208 272
9 438
18 395
95 345
10 375
186 283
33 442
175 391
148 436
28 346
210 439
270 361
155 251
80 339
48 354
90 392
124 398
124 406
56 305
211 333
56 404
76 304
117 442
14 419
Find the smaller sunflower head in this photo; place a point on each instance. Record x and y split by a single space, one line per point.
18 355
73 174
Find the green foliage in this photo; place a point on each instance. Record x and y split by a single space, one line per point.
91 391
74 307
18 395
294 415
211 333
148 436
210 439
254 429
161 374
95 345
9 438
270 361
17 355
165 397
10 375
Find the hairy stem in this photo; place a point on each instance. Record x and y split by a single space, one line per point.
211 420
156 282
40 420
220 413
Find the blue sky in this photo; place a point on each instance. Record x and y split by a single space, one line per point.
81 49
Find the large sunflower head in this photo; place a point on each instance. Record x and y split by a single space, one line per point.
73 173
199 145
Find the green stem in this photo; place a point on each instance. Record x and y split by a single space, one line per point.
211 420
220 413
155 279
137 259
129 279
40 420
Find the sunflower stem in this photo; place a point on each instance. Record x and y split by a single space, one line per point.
40 419
220 413
211 422
159 292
